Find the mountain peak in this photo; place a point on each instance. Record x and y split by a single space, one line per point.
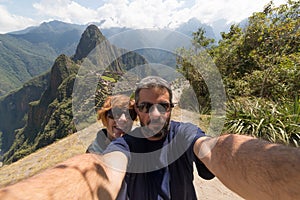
90 38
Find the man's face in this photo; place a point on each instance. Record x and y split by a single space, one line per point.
154 111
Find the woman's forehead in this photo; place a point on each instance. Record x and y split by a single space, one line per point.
120 103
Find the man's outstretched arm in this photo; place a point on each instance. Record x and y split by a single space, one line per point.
253 168
86 176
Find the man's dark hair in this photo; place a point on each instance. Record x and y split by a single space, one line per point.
152 82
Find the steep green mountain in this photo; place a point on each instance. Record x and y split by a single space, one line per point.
50 117
89 40
14 107
20 61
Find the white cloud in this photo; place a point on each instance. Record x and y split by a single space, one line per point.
162 13
139 13
231 10
10 22
134 13
65 10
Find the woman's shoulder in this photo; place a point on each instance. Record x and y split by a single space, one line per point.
102 133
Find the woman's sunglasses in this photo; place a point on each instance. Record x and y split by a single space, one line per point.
116 113
146 107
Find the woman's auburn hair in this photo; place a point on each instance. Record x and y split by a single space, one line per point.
119 101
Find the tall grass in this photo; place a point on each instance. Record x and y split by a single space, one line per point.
278 123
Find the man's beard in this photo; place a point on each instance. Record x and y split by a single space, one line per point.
156 133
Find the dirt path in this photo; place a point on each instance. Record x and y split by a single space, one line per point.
213 190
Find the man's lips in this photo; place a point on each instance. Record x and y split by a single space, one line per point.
155 124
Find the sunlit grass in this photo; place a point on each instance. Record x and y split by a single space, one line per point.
106 78
278 123
47 157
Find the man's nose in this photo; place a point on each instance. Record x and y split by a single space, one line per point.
154 112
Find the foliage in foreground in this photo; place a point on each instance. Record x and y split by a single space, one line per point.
278 123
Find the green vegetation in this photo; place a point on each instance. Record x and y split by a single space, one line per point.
260 67
50 117
26 54
106 78
21 60
278 123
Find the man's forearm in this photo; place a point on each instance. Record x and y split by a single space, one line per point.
81 177
253 168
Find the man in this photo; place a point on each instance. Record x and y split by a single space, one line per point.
160 151
253 168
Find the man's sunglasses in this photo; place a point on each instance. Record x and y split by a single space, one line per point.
146 107
116 113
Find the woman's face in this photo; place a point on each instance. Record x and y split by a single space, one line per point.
119 122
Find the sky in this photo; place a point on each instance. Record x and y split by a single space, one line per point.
18 15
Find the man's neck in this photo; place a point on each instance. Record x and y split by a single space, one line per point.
156 137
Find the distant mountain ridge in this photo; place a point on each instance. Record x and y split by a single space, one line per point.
60 36
27 53
192 26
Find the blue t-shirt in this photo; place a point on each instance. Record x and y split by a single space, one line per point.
161 169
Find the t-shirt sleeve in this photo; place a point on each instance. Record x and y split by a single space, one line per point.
203 171
118 145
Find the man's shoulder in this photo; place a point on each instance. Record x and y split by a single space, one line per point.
132 135
176 125
184 127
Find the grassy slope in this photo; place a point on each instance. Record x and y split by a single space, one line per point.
48 156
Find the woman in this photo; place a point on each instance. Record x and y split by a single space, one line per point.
117 115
